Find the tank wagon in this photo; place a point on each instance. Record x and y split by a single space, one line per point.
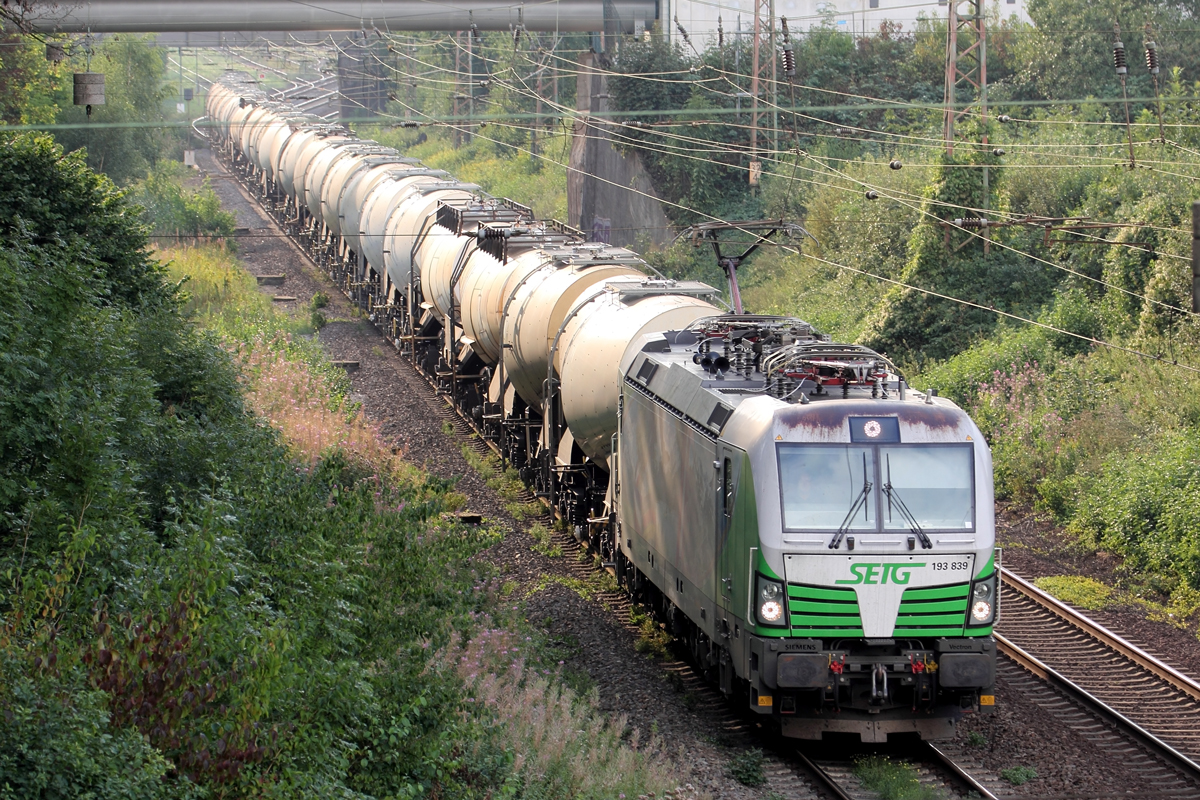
820 535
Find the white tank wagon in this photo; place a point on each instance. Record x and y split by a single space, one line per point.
818 535
338 178
359 185
534 312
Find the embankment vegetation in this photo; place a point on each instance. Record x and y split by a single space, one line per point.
217 581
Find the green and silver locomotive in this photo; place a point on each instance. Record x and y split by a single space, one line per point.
822 533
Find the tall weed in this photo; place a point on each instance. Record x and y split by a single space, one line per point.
560 744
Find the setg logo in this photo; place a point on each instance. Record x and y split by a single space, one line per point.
869 574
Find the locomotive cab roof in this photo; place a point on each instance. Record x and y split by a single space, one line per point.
704 372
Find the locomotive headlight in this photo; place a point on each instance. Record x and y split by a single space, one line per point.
981 611
983 602
770 603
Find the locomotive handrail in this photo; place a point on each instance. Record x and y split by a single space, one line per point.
1165 671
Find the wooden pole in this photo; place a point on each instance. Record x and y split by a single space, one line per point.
1196 258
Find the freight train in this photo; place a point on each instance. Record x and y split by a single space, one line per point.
816 533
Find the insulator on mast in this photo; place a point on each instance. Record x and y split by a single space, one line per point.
789 61
1152 58
720 33
971 222
682 32
1119 59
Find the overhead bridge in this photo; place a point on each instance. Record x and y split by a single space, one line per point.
145 16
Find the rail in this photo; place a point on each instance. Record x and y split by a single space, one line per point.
1099 707
1094 629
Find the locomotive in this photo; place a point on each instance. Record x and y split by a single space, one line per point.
819 535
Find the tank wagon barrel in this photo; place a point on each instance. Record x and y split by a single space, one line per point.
817 534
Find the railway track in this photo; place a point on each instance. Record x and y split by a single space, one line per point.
1148 712
1126 702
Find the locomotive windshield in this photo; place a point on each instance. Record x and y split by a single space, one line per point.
832 487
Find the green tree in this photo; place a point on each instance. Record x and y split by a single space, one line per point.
125 136
1068 53
33 90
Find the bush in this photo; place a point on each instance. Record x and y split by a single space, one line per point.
1141 506
214 594
171 209
57 740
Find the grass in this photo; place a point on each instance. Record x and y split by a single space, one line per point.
560 744
506 483
1018 775
588 588
892 780
288 380
1078 591
976 739
746 768
1180 609
543 541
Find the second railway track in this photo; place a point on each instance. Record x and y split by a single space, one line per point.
1135 693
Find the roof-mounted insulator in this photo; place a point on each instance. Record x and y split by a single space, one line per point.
1119 59
1152 58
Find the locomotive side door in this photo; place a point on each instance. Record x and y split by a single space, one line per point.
728 468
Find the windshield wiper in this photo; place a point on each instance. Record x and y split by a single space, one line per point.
893 495
859 502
